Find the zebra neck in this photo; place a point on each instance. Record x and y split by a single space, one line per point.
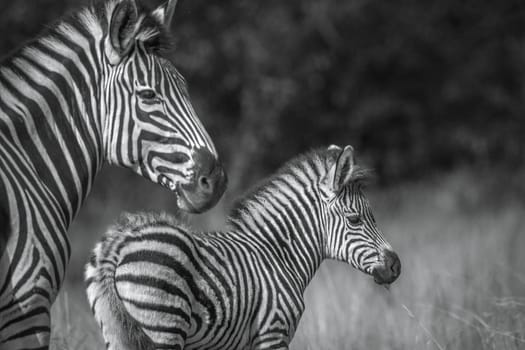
49 113
288 227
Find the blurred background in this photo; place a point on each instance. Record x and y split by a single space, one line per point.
432 97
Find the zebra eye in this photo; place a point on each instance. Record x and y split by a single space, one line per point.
354 219
147 94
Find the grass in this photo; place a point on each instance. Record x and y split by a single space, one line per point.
460 238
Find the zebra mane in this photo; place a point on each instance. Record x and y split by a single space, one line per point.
94 20
153 34
318 160
140 220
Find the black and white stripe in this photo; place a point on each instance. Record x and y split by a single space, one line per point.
154 284
95 88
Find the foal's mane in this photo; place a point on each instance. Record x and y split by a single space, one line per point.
318 159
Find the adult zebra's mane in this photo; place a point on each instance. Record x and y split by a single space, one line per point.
93 20
151 32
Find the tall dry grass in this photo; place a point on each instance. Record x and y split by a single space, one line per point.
463 277
461 240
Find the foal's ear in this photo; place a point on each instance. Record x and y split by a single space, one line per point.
341 171
164 13
123 28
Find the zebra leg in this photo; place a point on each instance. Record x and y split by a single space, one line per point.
280 346
25 317
25 323
178 344
273 341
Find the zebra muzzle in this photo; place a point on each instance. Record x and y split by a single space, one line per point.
166 182
389 270
208 185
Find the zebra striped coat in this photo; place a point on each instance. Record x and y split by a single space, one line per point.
154 284
95 88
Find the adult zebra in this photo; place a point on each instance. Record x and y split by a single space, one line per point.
96 87
153 284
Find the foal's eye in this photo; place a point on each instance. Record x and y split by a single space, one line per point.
147 94
354 219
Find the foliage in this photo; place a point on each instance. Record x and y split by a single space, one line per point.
415 86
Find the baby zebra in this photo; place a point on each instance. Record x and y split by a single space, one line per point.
154 284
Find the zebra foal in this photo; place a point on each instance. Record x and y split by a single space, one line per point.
154 284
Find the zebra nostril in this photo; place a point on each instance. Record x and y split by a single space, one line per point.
396 267
205 184
393 262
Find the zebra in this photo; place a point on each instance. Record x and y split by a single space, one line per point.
152 283
96 88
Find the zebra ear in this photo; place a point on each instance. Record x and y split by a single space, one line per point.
341 171
164 13
123 28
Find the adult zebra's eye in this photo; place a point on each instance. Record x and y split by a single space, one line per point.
147 94
354 219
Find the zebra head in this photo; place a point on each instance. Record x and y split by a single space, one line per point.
353 235
150 124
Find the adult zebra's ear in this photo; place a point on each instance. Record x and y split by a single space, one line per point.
342 170
164 13
122 31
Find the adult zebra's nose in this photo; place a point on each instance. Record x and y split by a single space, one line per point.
208 185
390 270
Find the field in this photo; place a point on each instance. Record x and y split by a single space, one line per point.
460 238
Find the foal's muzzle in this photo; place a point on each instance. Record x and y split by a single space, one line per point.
390 270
